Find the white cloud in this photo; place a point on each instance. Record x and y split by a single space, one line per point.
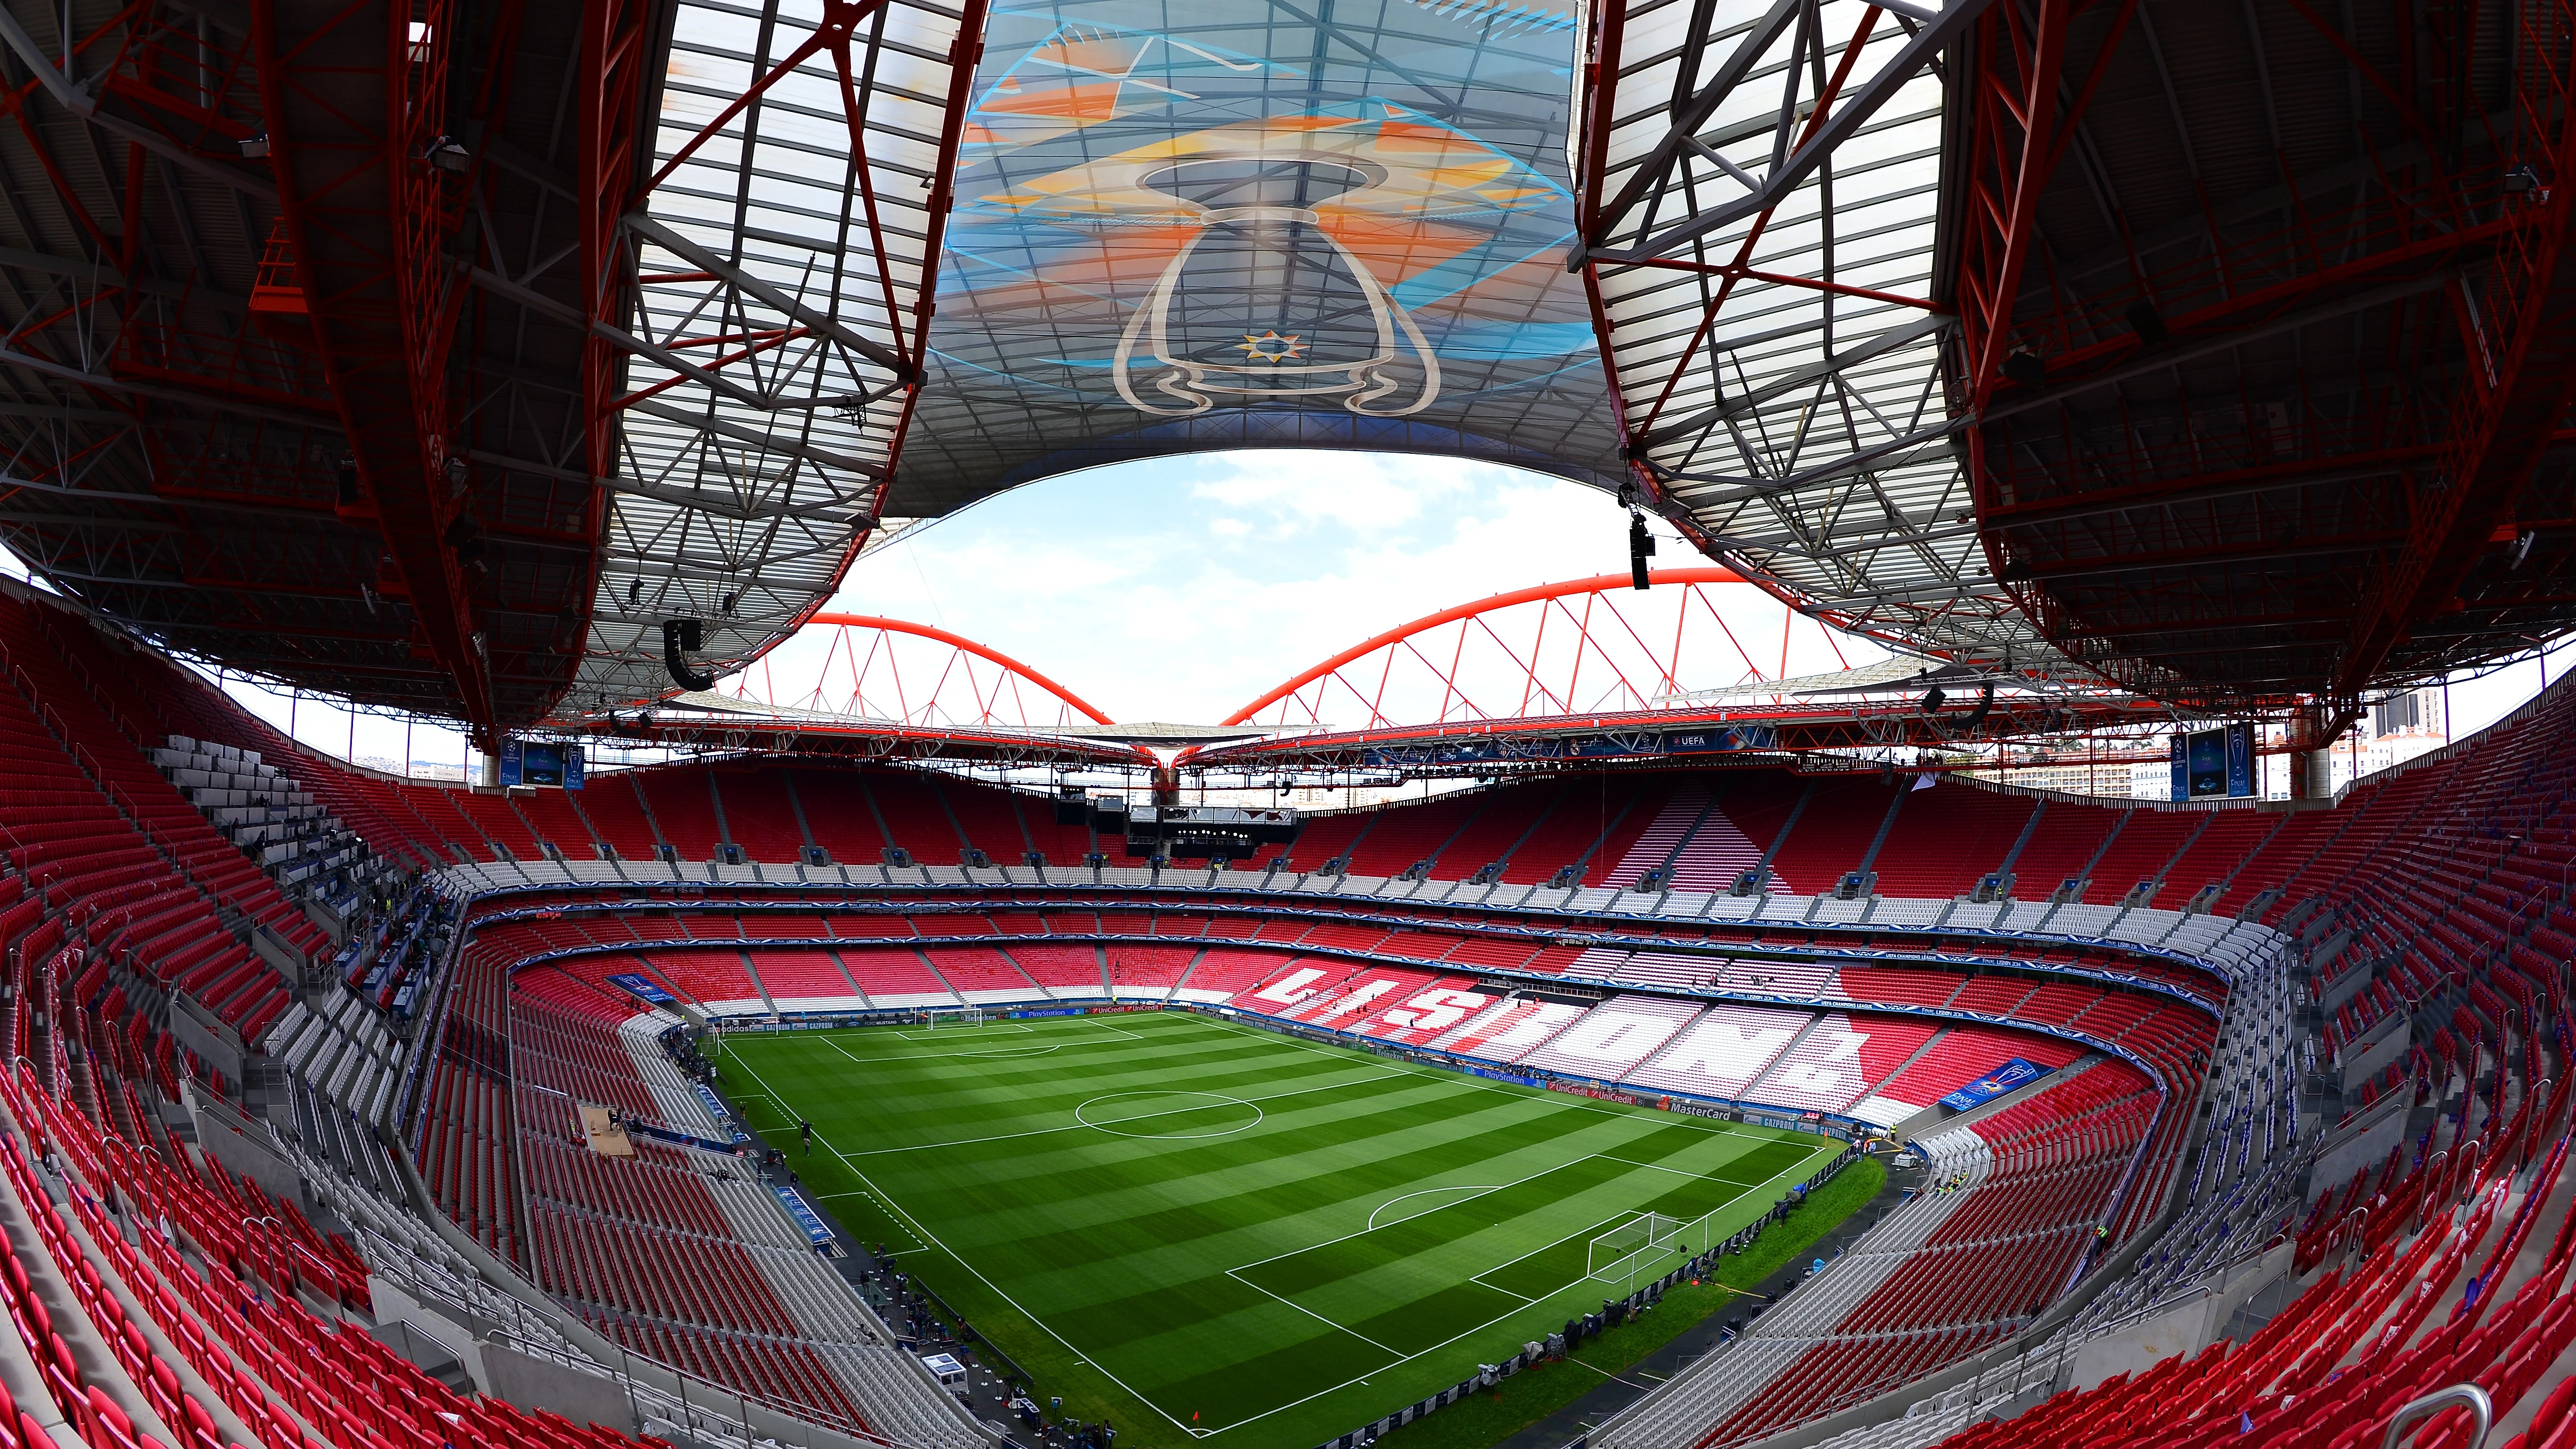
1110 582
1366 491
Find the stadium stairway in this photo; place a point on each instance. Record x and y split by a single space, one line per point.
2473 1297
2453 916
2005 1212
1720 1387
140 1312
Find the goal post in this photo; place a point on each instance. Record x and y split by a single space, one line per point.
939 1016
1628 1247
1643 1242
1686 1236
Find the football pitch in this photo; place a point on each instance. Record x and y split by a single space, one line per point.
1198 1228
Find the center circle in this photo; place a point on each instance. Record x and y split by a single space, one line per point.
1168 1114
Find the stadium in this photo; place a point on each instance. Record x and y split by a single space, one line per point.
2028 902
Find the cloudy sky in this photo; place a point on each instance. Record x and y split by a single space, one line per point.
1180 589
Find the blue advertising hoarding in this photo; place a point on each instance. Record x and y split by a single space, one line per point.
538 762
643 988
2011 1075
2208 764
804 1214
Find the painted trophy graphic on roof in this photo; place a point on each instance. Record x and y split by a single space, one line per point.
1283 239
1163 241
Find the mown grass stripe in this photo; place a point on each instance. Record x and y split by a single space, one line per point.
1124 1268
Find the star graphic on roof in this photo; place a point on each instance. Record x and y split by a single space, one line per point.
1271 347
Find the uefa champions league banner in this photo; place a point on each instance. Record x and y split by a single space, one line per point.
2008 1077
532 762
2209 764
642 987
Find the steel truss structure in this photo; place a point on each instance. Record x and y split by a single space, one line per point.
1759 202
440 355
1557 674
436 355
754 374
698 724
1829 739
863 687
2276 409
1555 649
2226 361
1585 671
862 667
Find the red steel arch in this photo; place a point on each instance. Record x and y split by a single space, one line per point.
1580 650
863 668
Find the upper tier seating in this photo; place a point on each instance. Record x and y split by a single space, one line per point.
2435 894
1934 1283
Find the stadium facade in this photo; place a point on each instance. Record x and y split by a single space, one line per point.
2126 371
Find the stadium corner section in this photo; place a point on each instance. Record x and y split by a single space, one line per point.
1194 1228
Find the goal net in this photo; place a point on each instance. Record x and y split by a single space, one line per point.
953 1016
1633 1246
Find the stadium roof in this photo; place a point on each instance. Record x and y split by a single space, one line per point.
1253 222
2228 361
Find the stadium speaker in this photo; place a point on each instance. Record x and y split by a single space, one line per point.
1985 703
681 637
1933 699
347 475
1641 547
2025 367
463 537
2149 326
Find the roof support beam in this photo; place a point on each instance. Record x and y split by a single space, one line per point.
2521 379
822 322
1825 126
382 341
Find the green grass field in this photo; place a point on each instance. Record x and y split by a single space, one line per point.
1194 1228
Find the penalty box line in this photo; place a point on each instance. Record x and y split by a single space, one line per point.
1745 1190
1364 1232
1400 1355
927 1236
884 1207
833 1040
1121 1122
1479 1278
1711 1126
1401 1359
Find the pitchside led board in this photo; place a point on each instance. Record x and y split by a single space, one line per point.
2211 763
529 762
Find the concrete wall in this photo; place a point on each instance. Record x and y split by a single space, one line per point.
276 952
213 1044
244 1154
2363 1144
426 1336
2385 1042
2187 1328
2333 994
528 1382
2140 1346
